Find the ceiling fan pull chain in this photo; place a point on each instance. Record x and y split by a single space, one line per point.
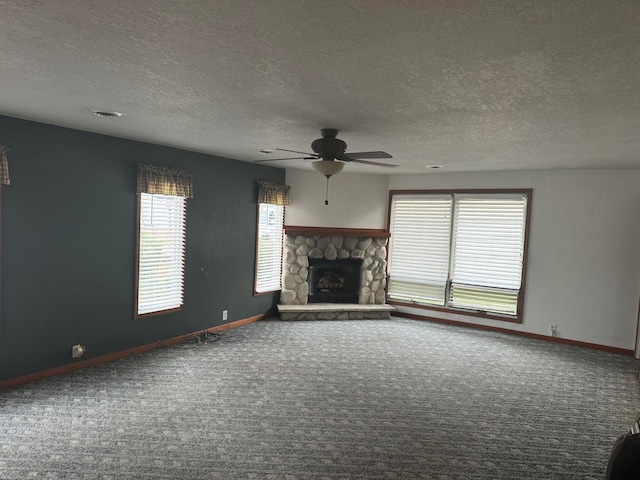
326 193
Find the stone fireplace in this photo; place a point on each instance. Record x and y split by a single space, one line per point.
311 252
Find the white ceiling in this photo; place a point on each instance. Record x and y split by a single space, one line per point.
467 84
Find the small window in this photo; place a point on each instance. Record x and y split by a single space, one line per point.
457 250
161 253
269 248
4 176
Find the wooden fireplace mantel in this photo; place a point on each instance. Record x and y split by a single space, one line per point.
335 232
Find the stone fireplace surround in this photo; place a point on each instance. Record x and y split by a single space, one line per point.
302 243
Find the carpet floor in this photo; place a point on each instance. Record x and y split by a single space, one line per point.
364 399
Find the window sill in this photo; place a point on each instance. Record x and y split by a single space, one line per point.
270 292
159 312
459 311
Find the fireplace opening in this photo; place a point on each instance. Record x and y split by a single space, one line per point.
336 281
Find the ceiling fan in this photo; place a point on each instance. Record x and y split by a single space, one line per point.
330 155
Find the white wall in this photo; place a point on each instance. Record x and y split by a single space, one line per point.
355 200
583 270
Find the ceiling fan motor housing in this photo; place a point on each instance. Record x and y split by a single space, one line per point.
329 147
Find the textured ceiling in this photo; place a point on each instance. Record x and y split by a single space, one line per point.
470 85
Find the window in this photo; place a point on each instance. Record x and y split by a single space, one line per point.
272 197
4 177
162 203
269 247
161 253
459 250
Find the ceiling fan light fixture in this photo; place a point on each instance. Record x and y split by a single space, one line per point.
327 167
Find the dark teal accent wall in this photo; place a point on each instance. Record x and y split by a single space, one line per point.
69 241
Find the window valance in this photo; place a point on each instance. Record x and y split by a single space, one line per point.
165 180
4 166
273 193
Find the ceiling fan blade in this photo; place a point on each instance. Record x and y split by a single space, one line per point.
377 164
278 159
295 151
353 155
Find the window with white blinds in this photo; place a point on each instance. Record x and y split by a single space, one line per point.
269 247
161 253
419 248
459 250
488 250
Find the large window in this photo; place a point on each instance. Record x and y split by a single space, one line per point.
459 250
269 247
161 252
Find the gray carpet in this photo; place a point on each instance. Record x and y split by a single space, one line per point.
368 399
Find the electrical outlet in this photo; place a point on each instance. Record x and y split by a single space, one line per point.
224 314
77 350
553 330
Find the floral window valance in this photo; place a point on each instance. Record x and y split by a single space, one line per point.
273 193
4 166
165 180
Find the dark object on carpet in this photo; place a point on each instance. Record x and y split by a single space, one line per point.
624 462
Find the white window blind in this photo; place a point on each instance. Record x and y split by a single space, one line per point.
488 249
419 248
269 248
161 253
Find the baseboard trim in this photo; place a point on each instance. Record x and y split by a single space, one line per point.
565 341
111 357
